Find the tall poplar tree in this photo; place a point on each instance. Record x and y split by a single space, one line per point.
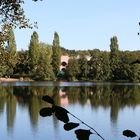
56 54
44 68
11 43
3 62
11 51
34 51
114 58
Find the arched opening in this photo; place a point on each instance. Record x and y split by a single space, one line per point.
63 63
63 69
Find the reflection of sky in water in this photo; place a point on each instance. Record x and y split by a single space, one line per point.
60 84
109 120
64 84
47 130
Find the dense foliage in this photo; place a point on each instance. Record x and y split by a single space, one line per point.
42 62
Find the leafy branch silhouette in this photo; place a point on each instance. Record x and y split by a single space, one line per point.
62 115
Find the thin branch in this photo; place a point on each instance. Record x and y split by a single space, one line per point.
87 126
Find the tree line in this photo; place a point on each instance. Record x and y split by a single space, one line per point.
42 61
113 65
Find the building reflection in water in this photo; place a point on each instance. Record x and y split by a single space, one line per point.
63 98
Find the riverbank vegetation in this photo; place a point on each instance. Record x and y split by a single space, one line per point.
42 61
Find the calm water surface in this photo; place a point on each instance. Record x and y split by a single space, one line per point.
107 107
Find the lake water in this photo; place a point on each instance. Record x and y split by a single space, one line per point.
109 108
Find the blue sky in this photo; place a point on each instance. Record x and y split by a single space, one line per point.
83 24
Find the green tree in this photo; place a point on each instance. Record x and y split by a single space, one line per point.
8 54
114 58
44 68
83 67
11 43
135 73
34 51
22 66
114 46
12 52
125 67
105 64
99 65
95 65
56 54
3 61
72 69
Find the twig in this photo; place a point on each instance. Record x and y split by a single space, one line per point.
87 125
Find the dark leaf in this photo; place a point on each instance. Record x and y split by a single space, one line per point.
61 114
82 134
129 133
48 99
59 109
70 126
44 112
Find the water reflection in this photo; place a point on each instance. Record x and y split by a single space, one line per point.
113 97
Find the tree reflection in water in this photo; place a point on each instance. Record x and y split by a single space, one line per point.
115 97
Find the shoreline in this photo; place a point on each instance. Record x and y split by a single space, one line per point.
21 79
9 80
